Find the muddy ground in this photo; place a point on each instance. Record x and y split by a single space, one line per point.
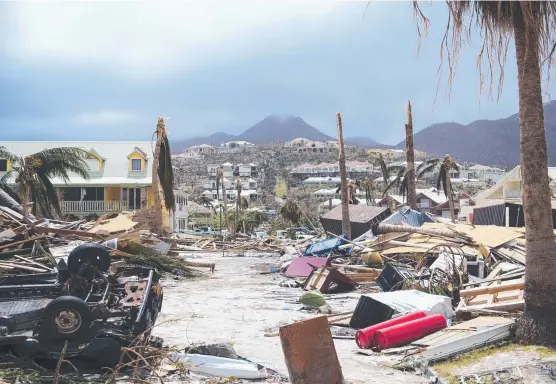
237 304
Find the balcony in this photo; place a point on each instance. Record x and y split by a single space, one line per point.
87 207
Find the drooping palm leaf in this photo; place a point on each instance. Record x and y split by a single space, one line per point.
58 162
385 171
35 171
166 173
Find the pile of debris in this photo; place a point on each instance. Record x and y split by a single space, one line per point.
85 291
429 292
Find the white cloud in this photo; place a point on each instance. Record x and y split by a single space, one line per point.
106 117
152 38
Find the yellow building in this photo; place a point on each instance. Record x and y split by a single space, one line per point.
120 177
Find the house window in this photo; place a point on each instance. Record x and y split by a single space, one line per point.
3 165
135 164
93 164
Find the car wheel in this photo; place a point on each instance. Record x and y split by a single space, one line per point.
92 254
66 318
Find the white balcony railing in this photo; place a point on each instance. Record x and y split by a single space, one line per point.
93 206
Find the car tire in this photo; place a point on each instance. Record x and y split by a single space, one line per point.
66 318
93 254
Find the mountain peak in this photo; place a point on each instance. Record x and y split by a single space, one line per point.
282 118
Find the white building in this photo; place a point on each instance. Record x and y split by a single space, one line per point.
202 149
180 216
483 173
356 168
297 143
120 176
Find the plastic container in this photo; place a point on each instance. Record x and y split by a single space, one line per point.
365 337
401 334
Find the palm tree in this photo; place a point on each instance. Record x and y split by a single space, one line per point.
402 175
162 176
532 26
368 186
239 188
34 173
291 211
346 226
444 167
386 182
351 191
410 158
220 183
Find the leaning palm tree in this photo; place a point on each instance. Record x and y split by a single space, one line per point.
532 26
162 176
34 173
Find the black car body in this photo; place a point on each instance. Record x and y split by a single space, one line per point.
86 307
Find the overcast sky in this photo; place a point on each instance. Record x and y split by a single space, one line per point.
106 70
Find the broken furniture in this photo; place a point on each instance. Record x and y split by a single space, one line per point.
327 279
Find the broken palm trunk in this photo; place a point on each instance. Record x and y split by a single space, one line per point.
310 353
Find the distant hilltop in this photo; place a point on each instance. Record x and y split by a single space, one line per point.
272 129
482 141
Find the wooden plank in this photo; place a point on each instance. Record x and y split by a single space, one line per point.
33 262
68 232
492 289
11 245
511 306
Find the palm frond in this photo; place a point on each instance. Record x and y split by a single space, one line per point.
443 176
166 173
427 166
290 211
385 171
404 185
58 162
394 183
5 153
49 194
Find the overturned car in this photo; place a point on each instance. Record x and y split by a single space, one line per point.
87 308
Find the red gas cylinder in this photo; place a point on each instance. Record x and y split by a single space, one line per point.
365 337
407 332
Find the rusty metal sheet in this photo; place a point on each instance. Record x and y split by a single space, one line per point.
310 353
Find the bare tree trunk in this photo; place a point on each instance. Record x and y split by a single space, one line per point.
410 157
27 202
157 222
538 323
225 201
450 196
346 227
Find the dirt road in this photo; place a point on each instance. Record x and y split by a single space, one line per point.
237 304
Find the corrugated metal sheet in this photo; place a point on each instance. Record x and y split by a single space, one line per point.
493 215
408 216
496 215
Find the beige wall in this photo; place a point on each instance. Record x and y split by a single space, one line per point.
112 193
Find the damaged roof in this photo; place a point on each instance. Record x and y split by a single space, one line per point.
357 213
